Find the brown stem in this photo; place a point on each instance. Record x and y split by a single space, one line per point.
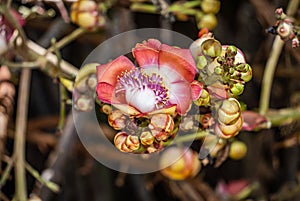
49 62
19 146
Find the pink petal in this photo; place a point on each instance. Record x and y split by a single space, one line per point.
196 89
236 186
105 92
253 121
107 77
109 72
178 59
146 53
218 90
180 95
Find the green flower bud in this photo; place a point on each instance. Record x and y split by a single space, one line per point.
211 48
231 51
246 77
219 70
204 99
210 6
221 60
209 21
237 89
201 62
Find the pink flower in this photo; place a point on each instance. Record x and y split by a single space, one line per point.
161 82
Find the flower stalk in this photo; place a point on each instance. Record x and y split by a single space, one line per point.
67 39
19 145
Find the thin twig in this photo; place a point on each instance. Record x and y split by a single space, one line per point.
191 137
269 74
34 64
66 40
50 61
19 146
8 168
283 116
51 185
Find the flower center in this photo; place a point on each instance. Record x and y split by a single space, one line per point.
146 93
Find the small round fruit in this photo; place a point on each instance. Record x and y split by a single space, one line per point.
238 150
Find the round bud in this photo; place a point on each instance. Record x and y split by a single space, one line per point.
209 21
211 48
237 89
238 150
117 120
210 6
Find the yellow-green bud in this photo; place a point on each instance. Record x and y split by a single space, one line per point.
237 89
219 70
209 21
210 6
201 62
211 48
238 150
247 76
231 50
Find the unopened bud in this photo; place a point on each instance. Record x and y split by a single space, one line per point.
161 126
117 120
211 48
237 89
126 143
147 138
210 6
86 14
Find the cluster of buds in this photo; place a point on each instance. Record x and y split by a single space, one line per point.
87 14
222 67
187 164
84 88
229 119
145 134
207 18
285 28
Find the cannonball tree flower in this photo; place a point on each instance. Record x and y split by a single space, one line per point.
161 83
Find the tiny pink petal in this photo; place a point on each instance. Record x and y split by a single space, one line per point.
236 186
196 89
218 90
